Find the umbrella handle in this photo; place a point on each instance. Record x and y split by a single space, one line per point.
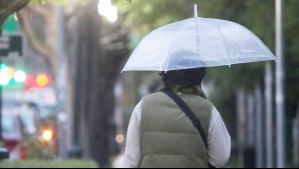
195 11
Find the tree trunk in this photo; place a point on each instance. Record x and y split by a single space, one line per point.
99 71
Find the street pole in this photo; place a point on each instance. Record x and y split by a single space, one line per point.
279 97
61 82
259 158
0 106
269 116
241 120
75 150
296 138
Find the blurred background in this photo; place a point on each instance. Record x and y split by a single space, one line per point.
65 102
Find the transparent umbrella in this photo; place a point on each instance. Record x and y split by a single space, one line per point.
197 42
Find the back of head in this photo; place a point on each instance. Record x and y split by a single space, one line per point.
186 78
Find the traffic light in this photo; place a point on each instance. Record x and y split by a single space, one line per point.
15 78
38 80
42 80
10 77
4 79
20 76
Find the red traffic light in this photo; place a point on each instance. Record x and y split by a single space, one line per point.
36 81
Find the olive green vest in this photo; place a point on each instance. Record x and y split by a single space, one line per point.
168 137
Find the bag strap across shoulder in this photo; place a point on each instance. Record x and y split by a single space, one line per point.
185 108
188 112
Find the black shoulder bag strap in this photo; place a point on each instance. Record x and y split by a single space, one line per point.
190 114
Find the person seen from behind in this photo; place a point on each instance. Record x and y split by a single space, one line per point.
160 134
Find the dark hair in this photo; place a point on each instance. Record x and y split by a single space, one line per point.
186 78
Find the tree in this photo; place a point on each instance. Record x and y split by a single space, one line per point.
8 7
100 51
37 23
40 31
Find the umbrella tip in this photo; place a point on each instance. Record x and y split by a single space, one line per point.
195 11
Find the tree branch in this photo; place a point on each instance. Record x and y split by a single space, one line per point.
8 7
40 9
34 41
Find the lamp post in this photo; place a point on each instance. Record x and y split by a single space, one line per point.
75 149
279 98
269 115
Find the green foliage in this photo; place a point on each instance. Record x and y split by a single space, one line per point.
43 2
291 52
146 15
39 150
48 164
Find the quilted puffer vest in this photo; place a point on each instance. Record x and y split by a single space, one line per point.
168 137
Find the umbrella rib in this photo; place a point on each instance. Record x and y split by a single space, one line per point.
226 50
197 40
171 45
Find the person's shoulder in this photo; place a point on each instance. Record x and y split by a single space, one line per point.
208 102
197 102
154 97
200 99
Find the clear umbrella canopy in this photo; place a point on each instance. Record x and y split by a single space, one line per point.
197 42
